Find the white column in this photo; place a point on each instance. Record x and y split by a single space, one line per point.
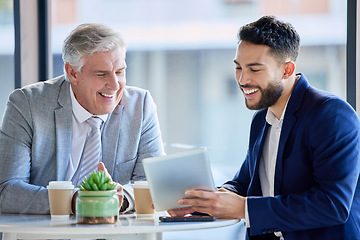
29 42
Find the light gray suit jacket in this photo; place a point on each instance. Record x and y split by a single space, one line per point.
35 142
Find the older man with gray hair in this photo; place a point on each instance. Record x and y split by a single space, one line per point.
45 128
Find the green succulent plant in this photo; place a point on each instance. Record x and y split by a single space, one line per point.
97 181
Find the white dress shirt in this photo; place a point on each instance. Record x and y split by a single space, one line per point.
268 159
80 130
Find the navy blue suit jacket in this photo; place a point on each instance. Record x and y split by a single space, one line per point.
317 190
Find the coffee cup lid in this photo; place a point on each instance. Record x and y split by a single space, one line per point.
60 185
140 184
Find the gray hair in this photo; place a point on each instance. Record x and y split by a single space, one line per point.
87 39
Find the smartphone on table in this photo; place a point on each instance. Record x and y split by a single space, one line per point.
191 218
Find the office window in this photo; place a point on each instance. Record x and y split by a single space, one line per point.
6 51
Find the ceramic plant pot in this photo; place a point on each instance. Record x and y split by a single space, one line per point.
97 207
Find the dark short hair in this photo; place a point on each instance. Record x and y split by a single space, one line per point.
281 37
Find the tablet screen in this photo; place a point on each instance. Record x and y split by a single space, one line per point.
171 175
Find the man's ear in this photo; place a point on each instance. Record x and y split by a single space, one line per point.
71 72
289 69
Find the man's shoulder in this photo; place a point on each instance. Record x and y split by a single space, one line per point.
321 95
44 86
134 91
313 97
133 95
320 101
136 100
40 92
322 109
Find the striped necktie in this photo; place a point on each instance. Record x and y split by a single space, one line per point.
91 155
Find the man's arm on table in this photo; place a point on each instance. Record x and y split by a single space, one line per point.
17 194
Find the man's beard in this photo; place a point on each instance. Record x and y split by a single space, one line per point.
269 96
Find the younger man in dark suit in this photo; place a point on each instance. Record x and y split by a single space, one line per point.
300 177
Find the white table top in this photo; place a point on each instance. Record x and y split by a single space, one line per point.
41 226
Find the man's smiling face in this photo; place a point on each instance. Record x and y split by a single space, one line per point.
258 75
100 84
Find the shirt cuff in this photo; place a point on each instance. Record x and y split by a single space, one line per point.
247 219
129 197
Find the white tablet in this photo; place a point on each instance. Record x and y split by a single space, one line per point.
171 175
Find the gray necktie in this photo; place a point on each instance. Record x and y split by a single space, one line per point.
91 155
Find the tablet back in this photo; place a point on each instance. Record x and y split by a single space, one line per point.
171 175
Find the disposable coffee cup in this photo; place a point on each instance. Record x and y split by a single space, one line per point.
60 197
143 201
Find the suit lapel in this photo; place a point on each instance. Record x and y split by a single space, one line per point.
63 126
293 106
255 186
287 126
109 139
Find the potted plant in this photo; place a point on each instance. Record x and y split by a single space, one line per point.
97 202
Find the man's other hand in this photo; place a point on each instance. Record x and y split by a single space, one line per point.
118 187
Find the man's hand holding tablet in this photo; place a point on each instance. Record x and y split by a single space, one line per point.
220 204
170 176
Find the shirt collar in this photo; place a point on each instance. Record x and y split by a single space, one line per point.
80 113
272 119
